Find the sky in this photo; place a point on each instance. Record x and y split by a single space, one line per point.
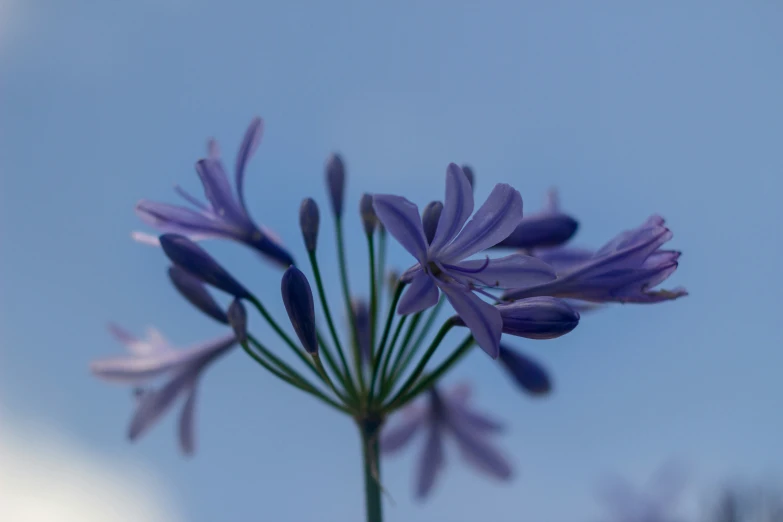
670 107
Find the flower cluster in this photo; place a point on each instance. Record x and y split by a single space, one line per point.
382 364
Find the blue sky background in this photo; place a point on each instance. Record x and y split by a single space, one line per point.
672 108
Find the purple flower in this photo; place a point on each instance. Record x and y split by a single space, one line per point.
441 262
624 270
309 223
527 373
447 414
298 301
225 216
547 228
190 257
192 289
536 318
151 358
335 182
367 213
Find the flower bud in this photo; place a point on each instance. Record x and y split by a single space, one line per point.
309 221
237 317
192 289
298 301
335 182
538 318
430 218
367 212
187 255
528 374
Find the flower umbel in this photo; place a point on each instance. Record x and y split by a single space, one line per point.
447 414
442 262
152 358
225 215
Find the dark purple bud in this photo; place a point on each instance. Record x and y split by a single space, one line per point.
298 300
361 312
528 374
366 210
192 289
538 318
541 230
309 221
469 174
187 255
335 182
237 317
430 218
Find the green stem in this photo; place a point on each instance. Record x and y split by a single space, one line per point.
357 359
424 360
389 320
432 378
298 382
330 361
380 284
325 376
325 305
386 380
399 370
370 429
390 351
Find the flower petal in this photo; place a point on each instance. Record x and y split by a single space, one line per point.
192 289
397 436
431 462
479 454
420 295
153 404
481 318
541 230
136 370
538 318
528 374
491 224
564 259
248 147
457 209
187 430
401 219
122 335
473 420
180 220
217 189
513 271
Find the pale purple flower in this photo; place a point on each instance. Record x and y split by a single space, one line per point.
547 228
625 270
225 215
153 358
446 415
442 262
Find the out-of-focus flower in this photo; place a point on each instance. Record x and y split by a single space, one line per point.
442 262
447 414
528 374
153 358
224 216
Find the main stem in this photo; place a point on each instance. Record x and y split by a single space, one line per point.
370 430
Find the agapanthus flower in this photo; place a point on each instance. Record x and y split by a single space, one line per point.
625 270
536 318
225 215
446 414
152 358
548 228
442 262
525 372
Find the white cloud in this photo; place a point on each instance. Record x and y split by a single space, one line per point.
44 477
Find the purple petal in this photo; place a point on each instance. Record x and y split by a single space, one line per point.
420 295
474 421
137 370
481 318
430 217
513 271
122 335
401 219
217 189
213 149
395 437
479 454
153 404
491 224
309 223
335 182
528 374
190 199
192 289
431 462
361 311
457 209
565 259
541 230
237 318
246 150
187 431
180 220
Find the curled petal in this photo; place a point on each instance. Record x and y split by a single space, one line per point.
420 295
513 271
491 224
457 208
248 147
401 219
481 318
